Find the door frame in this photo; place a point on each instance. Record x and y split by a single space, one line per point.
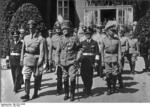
117 8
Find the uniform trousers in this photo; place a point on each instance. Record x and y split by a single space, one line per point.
17 76
27 72
59 79
87 72
69 71
111 71
132 58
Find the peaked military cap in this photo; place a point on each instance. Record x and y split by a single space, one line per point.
15 33
57 25
66 24
88 30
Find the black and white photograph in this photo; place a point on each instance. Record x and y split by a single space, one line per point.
74 51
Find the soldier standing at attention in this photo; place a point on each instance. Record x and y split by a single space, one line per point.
32 58
124 50
14 53
52 55
133 50
68 55
111 57
89 59
98 37
48 42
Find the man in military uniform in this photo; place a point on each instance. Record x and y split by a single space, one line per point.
52 54
48 42
32 57
133 50
14 54
98 37
124 50
111 56
144 50
68 55
89 59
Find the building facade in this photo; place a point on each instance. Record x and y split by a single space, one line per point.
91 11
98 11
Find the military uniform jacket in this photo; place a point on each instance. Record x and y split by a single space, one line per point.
111 50
133 46
98 38
68 50
53 44
90 47
33 50
15 48
124 44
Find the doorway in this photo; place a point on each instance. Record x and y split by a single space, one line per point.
108 14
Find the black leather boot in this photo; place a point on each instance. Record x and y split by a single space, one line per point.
120 81
108 86
40 80
72 90
109 91
27 90
66 88
59 81
36 87
114 89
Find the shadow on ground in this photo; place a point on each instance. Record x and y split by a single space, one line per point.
126 72
95 92
126 88
43 80
48 85
125 78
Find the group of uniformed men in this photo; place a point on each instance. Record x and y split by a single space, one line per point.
83 50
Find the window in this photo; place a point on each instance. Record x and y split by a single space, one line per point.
63 8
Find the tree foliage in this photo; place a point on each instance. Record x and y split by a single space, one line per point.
143 26
5 15
24 13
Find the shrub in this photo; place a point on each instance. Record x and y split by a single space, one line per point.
143 26
24 13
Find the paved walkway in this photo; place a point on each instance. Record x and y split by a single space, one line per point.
137 89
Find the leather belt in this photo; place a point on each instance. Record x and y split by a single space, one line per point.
88 54
15 54
111 52
35 55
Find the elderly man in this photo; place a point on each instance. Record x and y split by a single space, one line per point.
68 55
32 57
111 56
